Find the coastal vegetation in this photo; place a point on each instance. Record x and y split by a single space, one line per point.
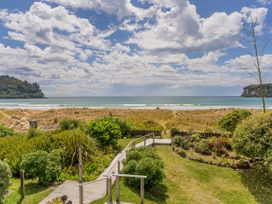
209 150
11 87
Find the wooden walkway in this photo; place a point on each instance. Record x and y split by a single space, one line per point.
95 190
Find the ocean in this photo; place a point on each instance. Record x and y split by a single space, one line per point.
138 102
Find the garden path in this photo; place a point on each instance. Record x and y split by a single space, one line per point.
95 190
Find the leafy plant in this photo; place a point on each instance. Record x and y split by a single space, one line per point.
253 137
143 162
202 147
42 165
106 131
69 124
232 119
4 131
5 175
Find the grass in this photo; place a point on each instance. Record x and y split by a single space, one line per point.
192 182
34 192
198 120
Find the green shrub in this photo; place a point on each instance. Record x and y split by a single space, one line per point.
196 137
12 149
106 131
69 124
143 162
42 165
125 128
174 131
4 131
5 176
232 119
183 142
253 137
202 147
32 132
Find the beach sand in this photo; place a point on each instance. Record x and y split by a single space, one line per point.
198 120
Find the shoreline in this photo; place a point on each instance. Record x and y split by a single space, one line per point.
170 107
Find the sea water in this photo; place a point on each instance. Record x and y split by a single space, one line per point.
138 102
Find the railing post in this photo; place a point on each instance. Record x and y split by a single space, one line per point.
109 190
22 179
142 191
144 142
117 189
119 167
153 135
80 167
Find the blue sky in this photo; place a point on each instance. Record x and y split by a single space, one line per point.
133 47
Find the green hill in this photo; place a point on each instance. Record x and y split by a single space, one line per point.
11 87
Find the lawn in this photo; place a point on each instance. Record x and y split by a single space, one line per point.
34 192
192 182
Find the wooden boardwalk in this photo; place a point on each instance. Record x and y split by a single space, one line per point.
95 190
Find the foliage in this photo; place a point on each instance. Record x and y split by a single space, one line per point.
11 87
126 128
143 162
69 124
4 131
220 145
174 131
42 165
253 137
12 148
32 132
106 131
183 142
232 119
5 175
202 147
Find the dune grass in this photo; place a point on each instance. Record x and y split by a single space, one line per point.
192 182
34 192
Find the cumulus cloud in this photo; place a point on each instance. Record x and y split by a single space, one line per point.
69 55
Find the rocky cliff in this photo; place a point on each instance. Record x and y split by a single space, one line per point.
254 90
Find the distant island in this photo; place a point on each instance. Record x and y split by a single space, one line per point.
12 88
254 90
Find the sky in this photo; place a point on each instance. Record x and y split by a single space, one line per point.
134 47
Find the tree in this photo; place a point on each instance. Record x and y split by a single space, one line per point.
255 49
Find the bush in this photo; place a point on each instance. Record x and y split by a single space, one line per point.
126 129
253 137
5 175
4 131
183 142
202 147
230 121
143 162
69 124
32 132
174 131
106 131
42 165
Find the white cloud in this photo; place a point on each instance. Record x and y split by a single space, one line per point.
70 56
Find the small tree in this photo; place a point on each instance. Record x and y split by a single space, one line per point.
106 131
42 165
232 119
255 48
5 175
